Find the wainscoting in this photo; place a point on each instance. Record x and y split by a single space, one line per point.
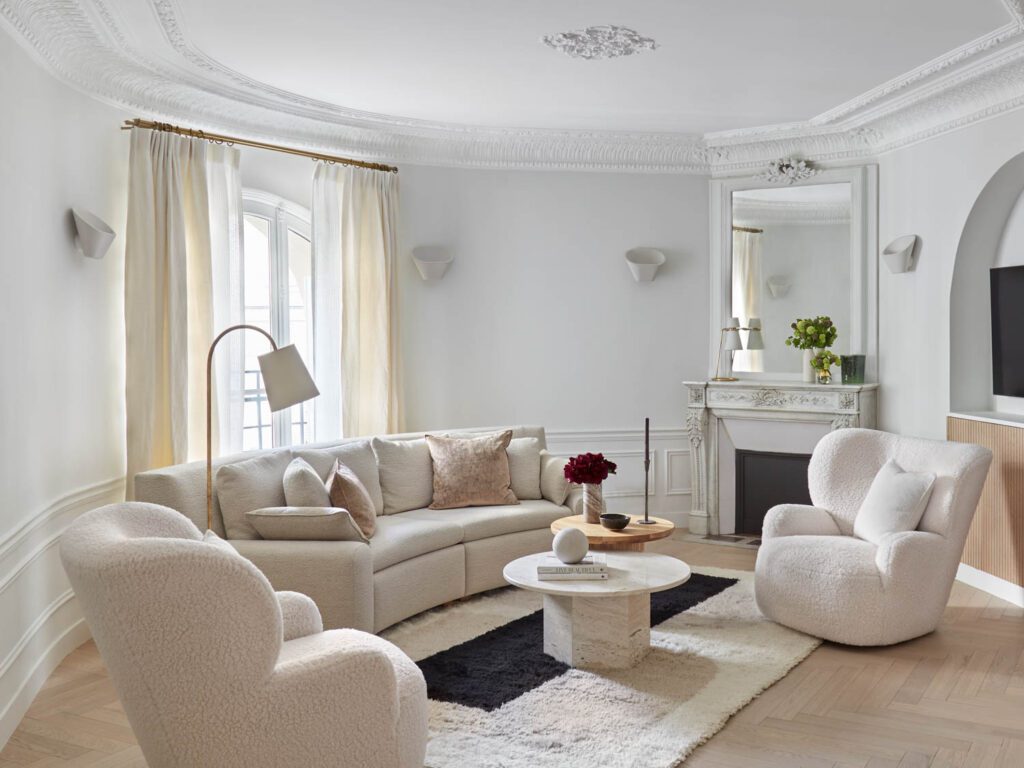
42 622
624 491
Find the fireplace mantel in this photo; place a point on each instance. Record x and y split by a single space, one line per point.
835 406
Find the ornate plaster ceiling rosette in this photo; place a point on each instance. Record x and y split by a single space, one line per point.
602 42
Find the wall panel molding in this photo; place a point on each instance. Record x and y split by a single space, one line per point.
42 620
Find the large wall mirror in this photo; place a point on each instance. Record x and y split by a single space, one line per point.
785 252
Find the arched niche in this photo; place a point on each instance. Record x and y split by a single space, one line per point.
996 217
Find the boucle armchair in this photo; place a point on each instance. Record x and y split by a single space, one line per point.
814 575
215 669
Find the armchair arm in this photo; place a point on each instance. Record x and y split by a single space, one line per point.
909 557
798 520
299 615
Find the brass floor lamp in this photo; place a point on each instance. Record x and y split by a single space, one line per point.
285 378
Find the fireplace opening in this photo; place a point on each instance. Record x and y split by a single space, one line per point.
764 479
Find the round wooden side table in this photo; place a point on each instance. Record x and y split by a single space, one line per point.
632 538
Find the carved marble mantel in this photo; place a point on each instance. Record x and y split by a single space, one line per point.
837 405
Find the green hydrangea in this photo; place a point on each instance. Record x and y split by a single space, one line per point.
813 333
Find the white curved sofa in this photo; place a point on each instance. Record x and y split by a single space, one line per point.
417 559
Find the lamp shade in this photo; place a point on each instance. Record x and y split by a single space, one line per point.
286 378
732 335
755 340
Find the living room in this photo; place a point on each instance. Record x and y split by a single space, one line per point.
745 275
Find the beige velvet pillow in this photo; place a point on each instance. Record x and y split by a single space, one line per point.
471 472
347 492
305 524
553 485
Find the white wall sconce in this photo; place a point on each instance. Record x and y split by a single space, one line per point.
644 263
92 235
779 285
432 261
900 253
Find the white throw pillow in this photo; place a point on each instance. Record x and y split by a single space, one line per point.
406 474
247 485
553 485
305 524
357 455
303 487
895 503
524 467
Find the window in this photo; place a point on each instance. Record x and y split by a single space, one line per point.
277 295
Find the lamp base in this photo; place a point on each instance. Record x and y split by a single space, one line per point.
725 378
646 522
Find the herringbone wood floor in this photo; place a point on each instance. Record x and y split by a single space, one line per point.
953 699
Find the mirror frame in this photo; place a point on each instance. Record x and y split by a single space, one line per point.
863 182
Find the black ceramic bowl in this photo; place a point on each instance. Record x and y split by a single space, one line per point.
614 521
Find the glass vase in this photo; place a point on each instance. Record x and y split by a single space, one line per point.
593 503
824 375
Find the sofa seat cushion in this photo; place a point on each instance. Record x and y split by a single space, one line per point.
837 557
400 537
484 522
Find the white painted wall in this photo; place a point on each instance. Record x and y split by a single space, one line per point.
929 189
61 389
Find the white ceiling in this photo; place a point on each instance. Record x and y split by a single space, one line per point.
720 64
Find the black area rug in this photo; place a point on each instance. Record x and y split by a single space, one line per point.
503 664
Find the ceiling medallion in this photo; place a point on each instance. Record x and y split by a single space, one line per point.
788 171
602 42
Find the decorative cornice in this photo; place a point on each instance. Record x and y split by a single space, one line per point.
81 42
747 212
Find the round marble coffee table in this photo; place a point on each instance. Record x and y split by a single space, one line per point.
604 623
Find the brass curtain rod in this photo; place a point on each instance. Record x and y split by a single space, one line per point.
751 230
218 138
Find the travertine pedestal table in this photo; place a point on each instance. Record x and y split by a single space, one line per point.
603 623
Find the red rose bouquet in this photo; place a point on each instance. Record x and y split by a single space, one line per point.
589 468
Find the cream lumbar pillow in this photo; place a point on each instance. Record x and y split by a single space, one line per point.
406 474
303 486
895 503
471 472
347 492
553 485
524 467
305 524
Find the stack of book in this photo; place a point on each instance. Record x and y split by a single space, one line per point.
593 567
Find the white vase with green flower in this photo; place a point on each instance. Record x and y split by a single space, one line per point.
813 335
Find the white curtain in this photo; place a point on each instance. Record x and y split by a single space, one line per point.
169 289
354 221
746 293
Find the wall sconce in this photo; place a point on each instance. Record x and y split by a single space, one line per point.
779 285
899 254
644 263
92 235
730 342
432 261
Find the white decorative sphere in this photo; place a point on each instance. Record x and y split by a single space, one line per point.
571 545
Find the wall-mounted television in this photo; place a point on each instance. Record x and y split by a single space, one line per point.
1008 331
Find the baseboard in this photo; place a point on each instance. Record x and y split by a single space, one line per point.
986 582
43 622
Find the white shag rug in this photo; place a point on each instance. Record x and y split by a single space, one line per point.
706 664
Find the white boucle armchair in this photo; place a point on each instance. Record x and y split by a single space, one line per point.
216 670
814 575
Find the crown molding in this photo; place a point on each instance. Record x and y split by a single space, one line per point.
747 212
82 42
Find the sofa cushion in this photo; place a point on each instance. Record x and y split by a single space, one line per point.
406 474
399 538
484 522
357 455
471 472
839 556
303 486
524 467
305 524
247 485
553 485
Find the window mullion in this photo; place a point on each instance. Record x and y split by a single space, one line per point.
279 310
